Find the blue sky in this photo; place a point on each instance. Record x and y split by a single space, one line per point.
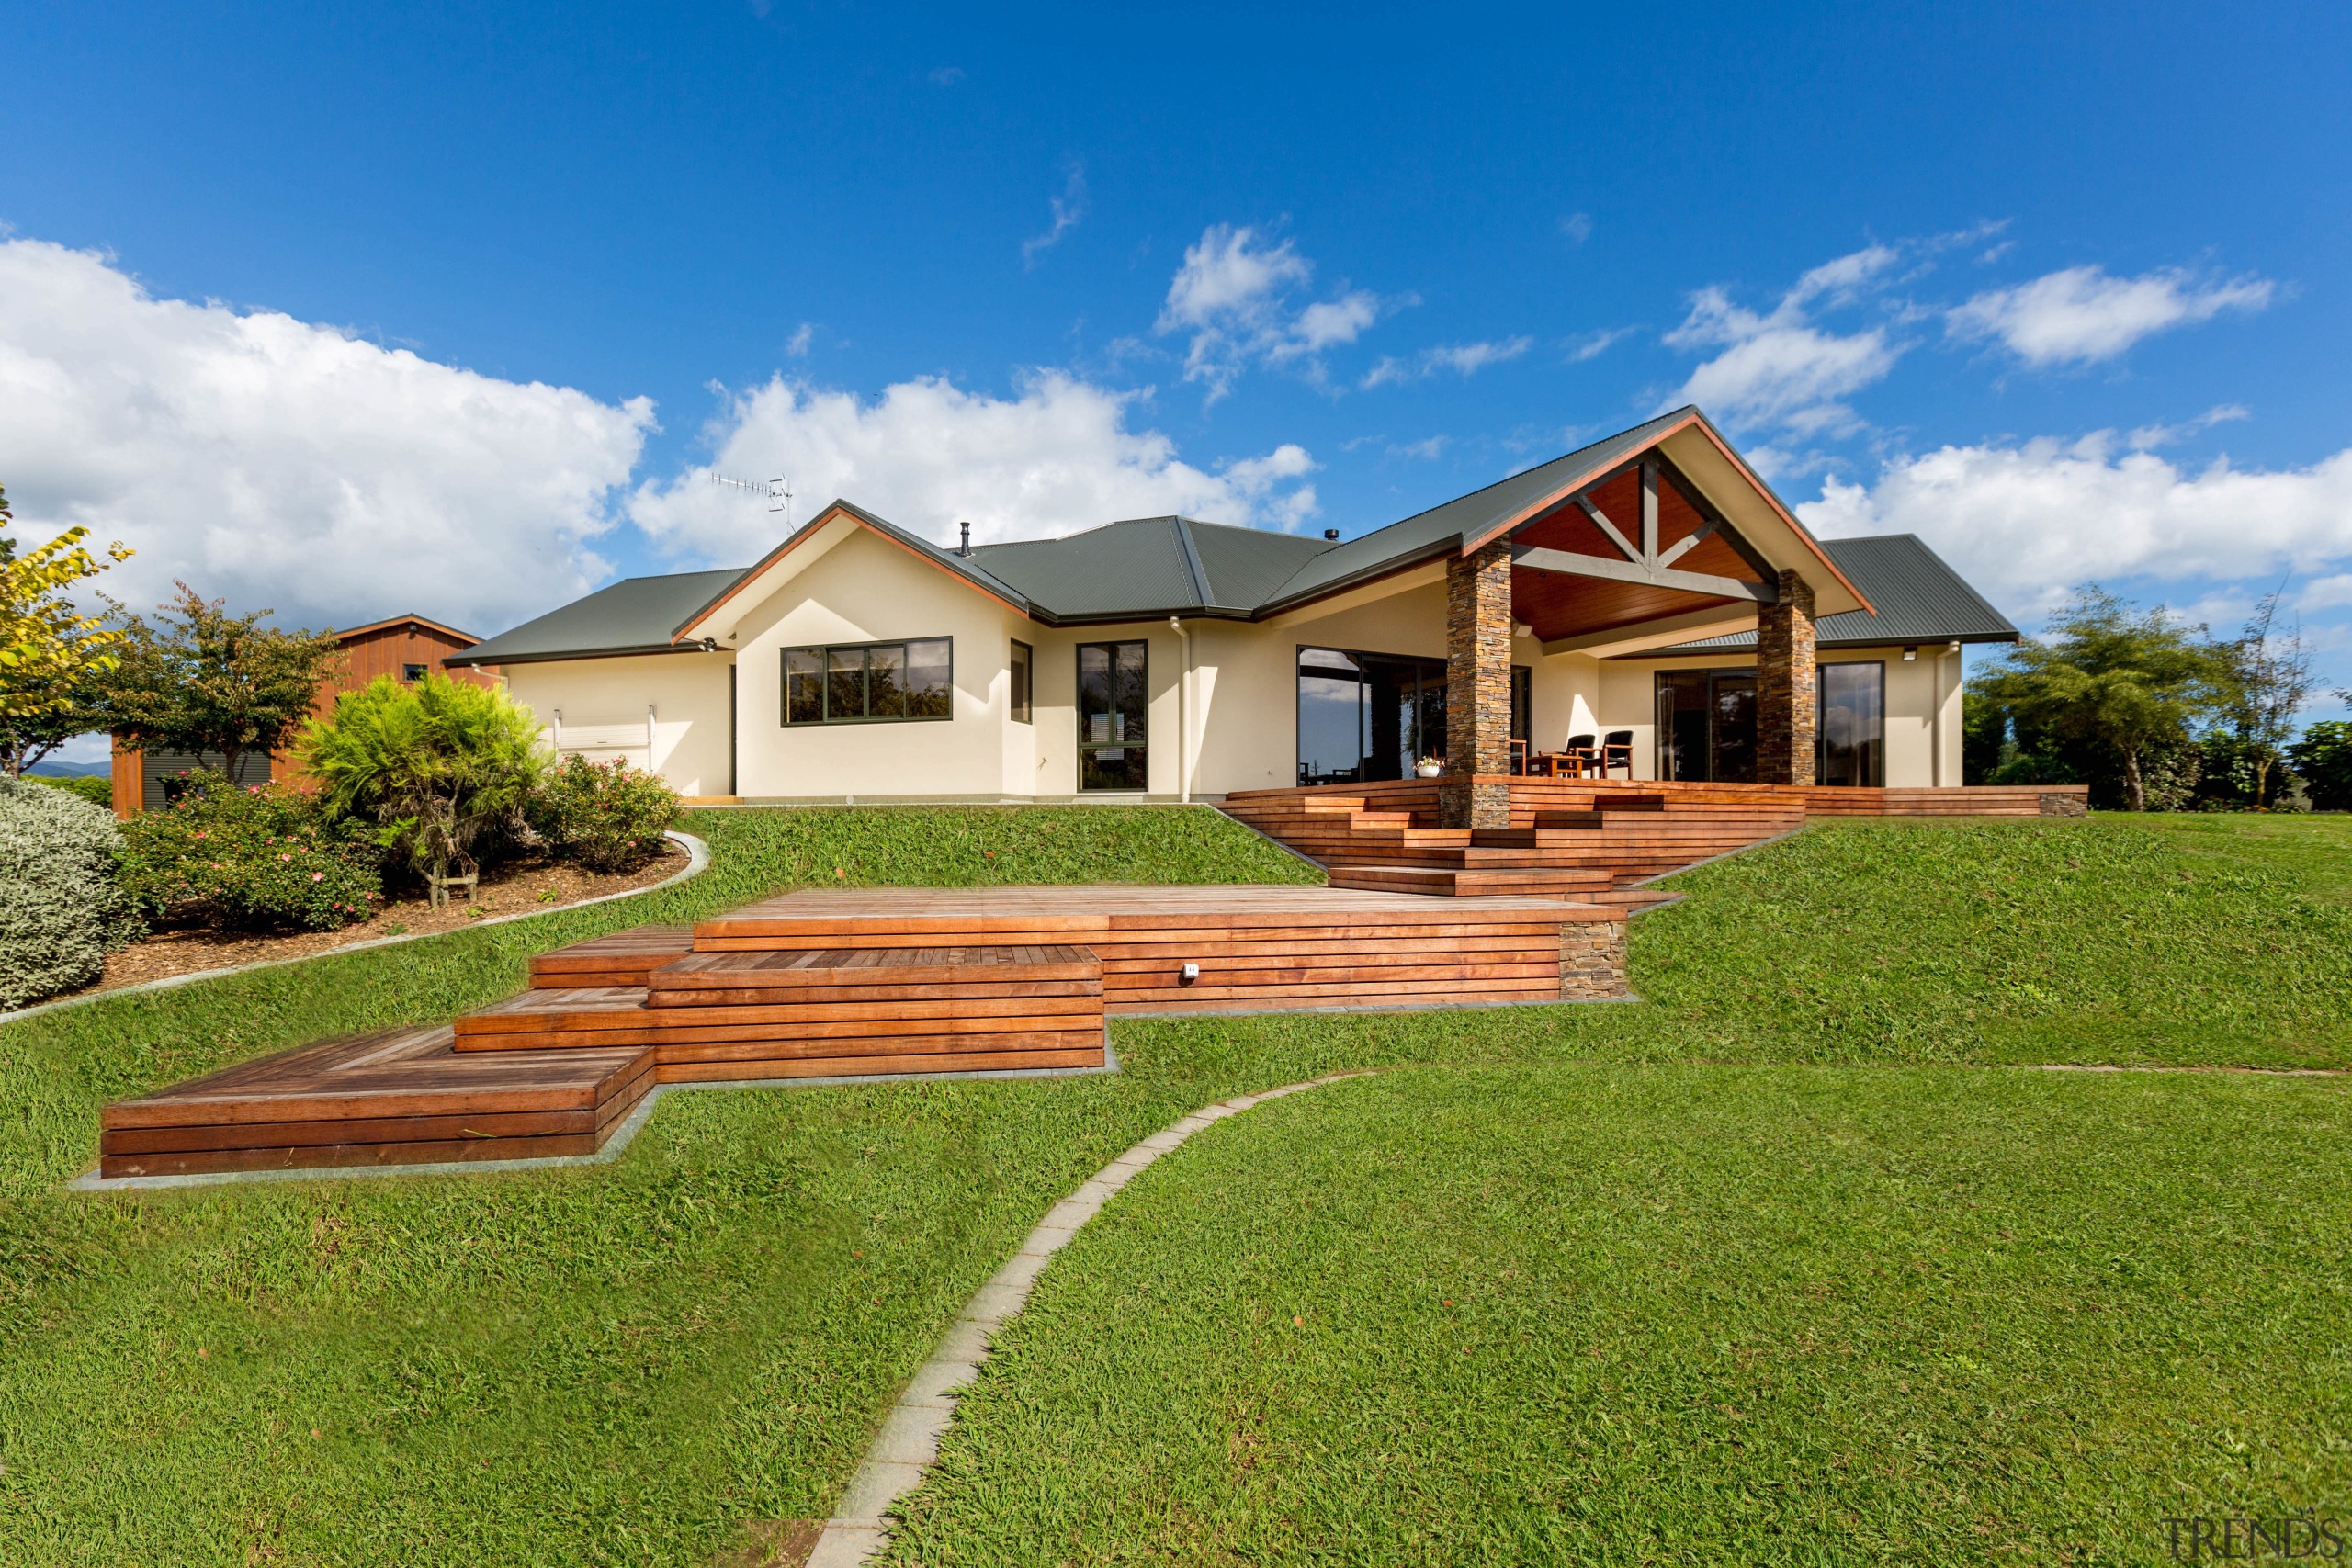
355 311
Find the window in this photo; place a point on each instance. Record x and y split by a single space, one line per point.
1372 716
1022 654
1850 747
1112 694
866 681
413 671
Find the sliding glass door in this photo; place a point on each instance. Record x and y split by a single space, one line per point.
1367 716
1706 725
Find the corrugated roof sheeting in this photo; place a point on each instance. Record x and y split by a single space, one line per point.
1919 599
636 614
1481 510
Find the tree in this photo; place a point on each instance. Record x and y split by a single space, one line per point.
433 764
202 680
2323 756
49 651
2131 682
2270 674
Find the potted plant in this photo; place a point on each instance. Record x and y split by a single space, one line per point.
1430 767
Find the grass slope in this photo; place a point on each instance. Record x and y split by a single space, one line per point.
1687 1315
614 1365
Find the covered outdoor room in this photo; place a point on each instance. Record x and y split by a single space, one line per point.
1673 542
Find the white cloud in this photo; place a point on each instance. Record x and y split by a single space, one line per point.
1592 345
797 346
1576 228
279 463
2149 436
1055 457
1232 295
2082 315
946 75
1782 369
1427 450
2026 522
1068 207
2334 593
1462 358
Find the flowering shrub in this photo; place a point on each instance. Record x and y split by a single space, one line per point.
59 910
607 816
249 858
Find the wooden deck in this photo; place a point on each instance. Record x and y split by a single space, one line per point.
1589 840
847 982
393 1097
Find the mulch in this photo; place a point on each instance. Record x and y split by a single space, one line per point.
516 887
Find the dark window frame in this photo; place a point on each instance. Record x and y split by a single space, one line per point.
1020 686
1523 691
411 673
824 652
1821 729
1078 664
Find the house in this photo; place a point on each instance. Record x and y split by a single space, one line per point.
1650 584
403 648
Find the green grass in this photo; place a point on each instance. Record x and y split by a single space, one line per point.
1685 1314
615 1365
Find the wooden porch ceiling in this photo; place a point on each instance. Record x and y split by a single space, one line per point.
1635 547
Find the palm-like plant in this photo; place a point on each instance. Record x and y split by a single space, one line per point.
432 764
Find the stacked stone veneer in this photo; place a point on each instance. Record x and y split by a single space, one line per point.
1477 690
1592 962
1786 704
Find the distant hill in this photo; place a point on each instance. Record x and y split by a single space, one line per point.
71 769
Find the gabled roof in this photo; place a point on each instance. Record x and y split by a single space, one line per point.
1920 599
348 633
1441 530
1148 568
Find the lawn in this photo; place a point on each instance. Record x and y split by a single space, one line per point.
1565 1313
616 1365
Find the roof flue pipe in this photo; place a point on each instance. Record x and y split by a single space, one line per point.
964 548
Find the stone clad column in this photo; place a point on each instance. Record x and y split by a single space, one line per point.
1477 690
1787 707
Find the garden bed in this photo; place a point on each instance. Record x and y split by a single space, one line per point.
518 888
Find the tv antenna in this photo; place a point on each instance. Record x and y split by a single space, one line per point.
778 492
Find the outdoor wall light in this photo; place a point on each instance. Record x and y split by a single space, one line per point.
1190 972
1909 654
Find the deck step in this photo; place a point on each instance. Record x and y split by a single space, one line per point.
390 1096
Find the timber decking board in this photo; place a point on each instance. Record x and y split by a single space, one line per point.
392 1072
845 973
392 1097
622 958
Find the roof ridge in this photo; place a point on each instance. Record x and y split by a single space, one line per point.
1182 527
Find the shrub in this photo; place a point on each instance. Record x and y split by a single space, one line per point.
96 788
437 766
60 908
607 816
2324 758
252 858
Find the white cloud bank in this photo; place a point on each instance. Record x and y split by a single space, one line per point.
2083 315
1055 457
280 463
2026 522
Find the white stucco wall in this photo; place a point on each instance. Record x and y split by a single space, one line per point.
604 704
847 584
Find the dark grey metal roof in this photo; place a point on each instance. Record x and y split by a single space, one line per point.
1919 599
1441 529
637 614
1150 566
